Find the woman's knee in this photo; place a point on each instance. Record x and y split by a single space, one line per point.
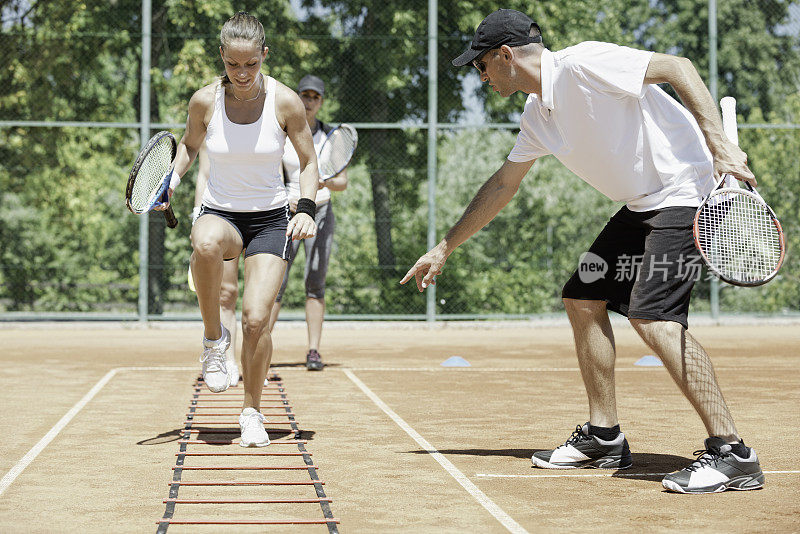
255 324
207 248
228 294
315 289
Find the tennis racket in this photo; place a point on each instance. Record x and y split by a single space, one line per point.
736 232
337 151
150 176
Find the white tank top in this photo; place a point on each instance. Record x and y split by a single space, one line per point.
245 159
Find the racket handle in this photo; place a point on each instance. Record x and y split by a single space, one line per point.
728 105
169 215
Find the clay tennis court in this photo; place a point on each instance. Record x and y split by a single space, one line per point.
400 442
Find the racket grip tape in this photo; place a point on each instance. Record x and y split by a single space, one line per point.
169 215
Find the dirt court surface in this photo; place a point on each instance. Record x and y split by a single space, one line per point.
109 467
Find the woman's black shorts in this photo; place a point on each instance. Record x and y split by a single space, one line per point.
643 264
262 232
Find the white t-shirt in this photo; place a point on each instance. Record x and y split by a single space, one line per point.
629 140
291 166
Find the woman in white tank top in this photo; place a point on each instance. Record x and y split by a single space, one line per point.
244 120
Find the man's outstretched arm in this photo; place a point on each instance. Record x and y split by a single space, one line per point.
490 199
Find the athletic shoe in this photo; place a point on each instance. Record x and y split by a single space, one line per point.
215 372
717 468
585 450
233 373
251 423
314 361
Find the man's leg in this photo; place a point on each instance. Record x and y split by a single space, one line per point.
594 344
691 368
726 463
599 443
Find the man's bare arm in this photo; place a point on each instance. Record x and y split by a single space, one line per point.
490 199
487 203
680 73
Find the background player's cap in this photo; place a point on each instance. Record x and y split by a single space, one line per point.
311 82
503 27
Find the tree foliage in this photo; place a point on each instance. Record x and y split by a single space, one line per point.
66 243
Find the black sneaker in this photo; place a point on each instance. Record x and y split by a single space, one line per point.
585 450
717 468
314 361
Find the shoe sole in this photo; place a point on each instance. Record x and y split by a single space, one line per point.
600 463
254 444
217 390
314 367
742 483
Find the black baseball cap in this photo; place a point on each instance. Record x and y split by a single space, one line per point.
503 27
311 82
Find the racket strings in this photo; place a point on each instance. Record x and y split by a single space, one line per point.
739 237
336 152
151 173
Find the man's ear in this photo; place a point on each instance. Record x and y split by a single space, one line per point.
506 52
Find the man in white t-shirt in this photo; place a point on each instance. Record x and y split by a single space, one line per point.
596 107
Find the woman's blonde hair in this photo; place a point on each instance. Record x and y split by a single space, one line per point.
242 26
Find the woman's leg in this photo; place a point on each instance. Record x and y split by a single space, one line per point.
213 239
262 278
318 253
228 295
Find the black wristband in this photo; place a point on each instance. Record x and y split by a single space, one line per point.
307 206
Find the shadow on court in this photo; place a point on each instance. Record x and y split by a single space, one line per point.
299 364
514 453
227 435
644 464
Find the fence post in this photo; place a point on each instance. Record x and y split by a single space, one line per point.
433 110
712 88
144 135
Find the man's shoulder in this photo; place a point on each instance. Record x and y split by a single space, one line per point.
587 49
530 110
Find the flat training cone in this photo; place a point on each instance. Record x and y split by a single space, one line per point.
649 361
455 361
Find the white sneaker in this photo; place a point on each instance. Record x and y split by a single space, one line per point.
251 423
233 373
215 373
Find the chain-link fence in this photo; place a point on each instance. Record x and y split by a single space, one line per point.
70 122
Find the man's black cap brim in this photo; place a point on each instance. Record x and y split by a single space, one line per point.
467 57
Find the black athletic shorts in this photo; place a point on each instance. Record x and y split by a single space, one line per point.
643 264
262 232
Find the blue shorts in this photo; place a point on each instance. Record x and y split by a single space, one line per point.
262 232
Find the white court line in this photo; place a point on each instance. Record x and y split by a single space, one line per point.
614 475
525 369
473 490
26 460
